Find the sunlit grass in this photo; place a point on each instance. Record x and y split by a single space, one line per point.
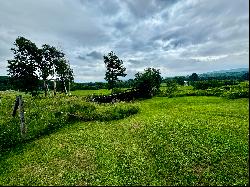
171 141
90 92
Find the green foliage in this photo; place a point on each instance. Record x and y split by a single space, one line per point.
205 84
180 80
89 86
240 90
245 76
31 64
193 77
22 68
126 83
5 83
49 63
148 83
170 89
49 55
64 72
102 85
117 90
114 70
44 115
91 92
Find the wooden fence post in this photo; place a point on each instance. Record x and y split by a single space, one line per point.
23 127
19 104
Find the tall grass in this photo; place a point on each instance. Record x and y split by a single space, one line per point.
43 115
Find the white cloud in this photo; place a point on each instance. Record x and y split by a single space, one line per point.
208 58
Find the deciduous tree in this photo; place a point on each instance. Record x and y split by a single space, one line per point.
114 70
194 77
23 68
31 64
49 56
64 72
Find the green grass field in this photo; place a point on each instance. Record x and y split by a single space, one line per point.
194 140
89 92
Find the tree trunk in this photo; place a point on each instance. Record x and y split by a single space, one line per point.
45 87
69 88
65 89
54 87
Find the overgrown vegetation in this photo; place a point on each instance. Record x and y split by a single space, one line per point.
228 89
44 115
145 85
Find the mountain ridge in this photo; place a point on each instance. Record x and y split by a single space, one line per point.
224 72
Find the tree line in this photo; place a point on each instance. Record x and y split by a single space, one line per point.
33 68
31 64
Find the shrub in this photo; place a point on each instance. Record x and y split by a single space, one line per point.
238 91
148 83
170 89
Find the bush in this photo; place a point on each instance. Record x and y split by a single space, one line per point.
148 83
238 91
170 89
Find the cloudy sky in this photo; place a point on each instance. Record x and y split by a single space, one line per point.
178 37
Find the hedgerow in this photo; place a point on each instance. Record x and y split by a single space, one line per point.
241 90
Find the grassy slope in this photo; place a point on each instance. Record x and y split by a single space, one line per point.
172 141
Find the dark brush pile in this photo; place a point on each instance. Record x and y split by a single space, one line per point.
128 95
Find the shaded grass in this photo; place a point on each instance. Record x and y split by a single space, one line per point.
172 141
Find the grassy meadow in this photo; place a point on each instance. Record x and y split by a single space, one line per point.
90 92
194 140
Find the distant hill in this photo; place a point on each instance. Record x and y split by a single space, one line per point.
226 73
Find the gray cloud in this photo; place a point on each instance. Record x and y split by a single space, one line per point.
95 55
177 36
81 57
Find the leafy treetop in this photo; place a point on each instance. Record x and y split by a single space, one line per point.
114 69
